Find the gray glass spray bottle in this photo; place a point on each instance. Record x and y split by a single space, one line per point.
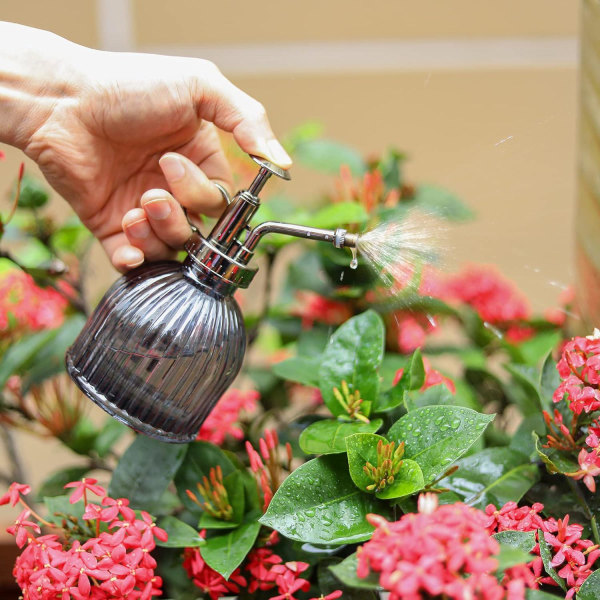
168 338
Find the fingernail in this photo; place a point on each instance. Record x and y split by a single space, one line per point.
132 257
172 167
278 154
158 209
139 229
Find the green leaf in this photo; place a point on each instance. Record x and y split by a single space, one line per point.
338 215
547 558
554 459
437 436
181 535
328 582
537 347
329 436
55 484
440 202
319 503
590 588
409 480
328 156
145 471
362 447
353 354
199 459
301 369
33 193
522 540
71 237
549 381
49 359
21 355
415 373
346 573
109 435
510 556
60 508
538 595
493 476
81 438
225 553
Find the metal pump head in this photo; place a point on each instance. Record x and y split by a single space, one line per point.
225 255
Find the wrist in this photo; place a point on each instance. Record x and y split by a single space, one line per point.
38 72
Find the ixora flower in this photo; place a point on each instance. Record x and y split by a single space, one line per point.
103 555
443 552
572 556
26 307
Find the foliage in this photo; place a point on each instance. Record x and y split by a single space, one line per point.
347 459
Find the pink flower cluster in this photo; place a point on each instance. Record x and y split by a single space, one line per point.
572 556
111 560
264 571
224 419
26 307
442 551
579 369
318 309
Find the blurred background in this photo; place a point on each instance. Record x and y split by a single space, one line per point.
481 95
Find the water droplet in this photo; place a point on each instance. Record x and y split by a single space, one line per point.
409 426
455 423
354 261
309 513
326 521
342 275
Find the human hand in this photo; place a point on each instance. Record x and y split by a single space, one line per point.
99 135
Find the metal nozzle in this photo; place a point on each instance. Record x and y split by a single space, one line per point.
340 238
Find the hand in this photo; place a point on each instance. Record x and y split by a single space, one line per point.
123 126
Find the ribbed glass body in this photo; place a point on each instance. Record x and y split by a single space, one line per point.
159 350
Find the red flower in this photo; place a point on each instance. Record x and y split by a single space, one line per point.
14 493
432 377
260 564
19 529
333 596
82 486
318 309
224 419
494 299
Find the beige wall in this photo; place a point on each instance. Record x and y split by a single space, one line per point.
446 81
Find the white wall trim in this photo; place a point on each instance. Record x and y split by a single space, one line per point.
115 25
382 55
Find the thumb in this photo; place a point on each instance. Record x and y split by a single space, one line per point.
232 110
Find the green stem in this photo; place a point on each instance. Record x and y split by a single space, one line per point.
595 529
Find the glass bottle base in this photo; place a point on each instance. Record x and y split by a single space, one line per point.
118 413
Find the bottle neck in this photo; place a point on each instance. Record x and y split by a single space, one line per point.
211 267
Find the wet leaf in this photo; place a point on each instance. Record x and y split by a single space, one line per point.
590 589
234 485
437 436
346 573
181 535
328 582
353 354
493 476
329 436
509 556
225 553
555 460
145 471
409 480
523 540
549 381
109 435
546 555
319 503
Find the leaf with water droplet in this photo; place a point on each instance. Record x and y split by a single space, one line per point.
493 476
353 354
328 436
332 498
433 445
